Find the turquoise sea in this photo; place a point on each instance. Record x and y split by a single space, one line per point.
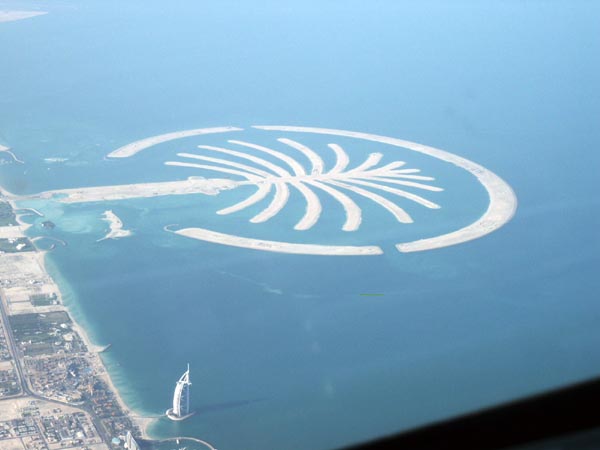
284 350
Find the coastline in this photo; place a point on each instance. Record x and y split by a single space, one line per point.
142 422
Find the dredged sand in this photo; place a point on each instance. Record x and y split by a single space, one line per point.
116 226
352 210
503 202
11 16
275 246
135 147
140 190
282 194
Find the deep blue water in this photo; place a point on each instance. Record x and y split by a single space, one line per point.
285 352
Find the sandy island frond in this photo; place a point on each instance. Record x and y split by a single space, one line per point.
361 180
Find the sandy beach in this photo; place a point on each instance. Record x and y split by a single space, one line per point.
142 422
34 265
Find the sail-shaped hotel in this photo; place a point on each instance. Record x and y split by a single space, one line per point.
181 398
130 442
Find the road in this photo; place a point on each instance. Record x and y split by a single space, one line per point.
25 389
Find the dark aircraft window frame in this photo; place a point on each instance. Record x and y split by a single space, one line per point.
564 419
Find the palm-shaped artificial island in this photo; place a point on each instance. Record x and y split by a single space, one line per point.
268 177
246 163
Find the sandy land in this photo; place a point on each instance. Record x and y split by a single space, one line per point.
341 158
503 201
10 16
317 163
295 165
116 226
401 193
141 190
11 409
352 210
282 194
318 178
255 159
226 162
135 147
395 210
11 232
313 207
240 173
275 246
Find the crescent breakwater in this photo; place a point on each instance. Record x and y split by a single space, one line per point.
276 246
135 147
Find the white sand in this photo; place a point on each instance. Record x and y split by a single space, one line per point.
503 202
395 210
213 168
352 210
135 147
282 194
341 158
11 232
313 207
296 167
261 193
318 166
10 16
226 162
275 246
141 190
317 178
255 159
116 226
401 193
